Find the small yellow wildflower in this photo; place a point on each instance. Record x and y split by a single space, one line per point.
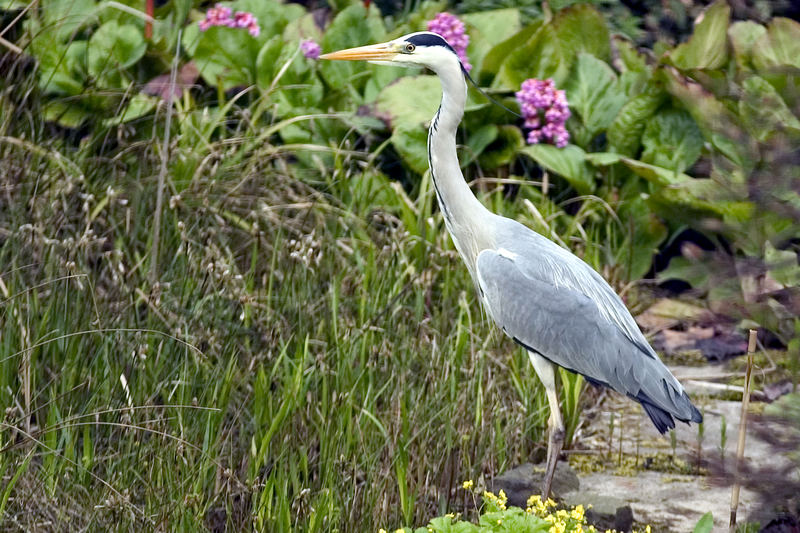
577 513
381 530
467 485
647 528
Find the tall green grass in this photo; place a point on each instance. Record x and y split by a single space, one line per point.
309 357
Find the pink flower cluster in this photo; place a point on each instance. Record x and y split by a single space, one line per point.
452 29
223 16
310 49
540 99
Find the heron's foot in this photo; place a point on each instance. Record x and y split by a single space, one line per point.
555 442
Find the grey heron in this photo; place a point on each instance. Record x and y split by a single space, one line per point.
547 299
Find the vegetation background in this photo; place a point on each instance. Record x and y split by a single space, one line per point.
227 300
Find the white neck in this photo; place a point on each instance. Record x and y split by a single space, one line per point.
461 210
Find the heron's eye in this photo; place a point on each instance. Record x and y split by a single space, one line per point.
410 48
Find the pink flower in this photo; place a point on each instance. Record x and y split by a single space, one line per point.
310 49
452 29
220 15
538 100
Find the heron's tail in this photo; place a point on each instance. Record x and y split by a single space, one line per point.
663 419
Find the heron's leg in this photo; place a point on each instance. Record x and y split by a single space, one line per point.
546 371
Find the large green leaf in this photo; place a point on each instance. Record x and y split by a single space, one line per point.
743 35
654 174
410 101
630 58
707 48
672 140
569 163
495 57
62 18
541 57
715 120
114 47
582 29
354 26
503 149
705 524
764 112
272 15
412 145
224 56
487 29
779 47
551 50
646 233
138 106
593 93
625 132
62 70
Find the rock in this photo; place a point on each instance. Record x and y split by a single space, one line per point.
521 482
604 512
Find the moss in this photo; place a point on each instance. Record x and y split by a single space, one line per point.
632 465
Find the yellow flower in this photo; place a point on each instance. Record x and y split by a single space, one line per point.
647 528
577 513
381 530
467 485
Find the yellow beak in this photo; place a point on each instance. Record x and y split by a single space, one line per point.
373 52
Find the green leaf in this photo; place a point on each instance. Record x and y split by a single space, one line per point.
541 57
477 142
581 28
763 111
487 29
568 162
782 265
715 120
603 159
114 47
61 71
647 234
625 132
503 149
779 47
272 15
410 101
495 57
62 18
66 113
696 275
743 35
707 48
705 524
592 92
551 50
629 56
412 144
654 174
354 26
139 105
225 56
672 140
268 62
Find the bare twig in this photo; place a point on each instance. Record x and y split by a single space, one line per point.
751 347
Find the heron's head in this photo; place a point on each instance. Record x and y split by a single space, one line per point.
423 48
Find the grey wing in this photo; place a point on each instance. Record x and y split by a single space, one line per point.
551 302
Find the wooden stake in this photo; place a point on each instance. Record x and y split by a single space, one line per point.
751 347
